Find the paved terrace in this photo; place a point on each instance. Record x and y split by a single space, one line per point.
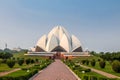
55 71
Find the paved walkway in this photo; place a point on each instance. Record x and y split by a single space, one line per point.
56 71
8 72
101 72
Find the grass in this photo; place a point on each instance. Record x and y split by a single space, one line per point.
21 55
4 67
18 73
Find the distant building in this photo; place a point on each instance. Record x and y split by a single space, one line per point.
58 43
17 49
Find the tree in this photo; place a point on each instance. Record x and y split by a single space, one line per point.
5 55
116 66
11 63
102 64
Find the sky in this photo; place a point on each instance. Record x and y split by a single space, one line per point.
96 23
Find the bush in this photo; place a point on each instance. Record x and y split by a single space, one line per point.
32 61
83 61
99 60
87 70
11 63
102 64
20 62
36 60
93 62
87 62
116 66
28 61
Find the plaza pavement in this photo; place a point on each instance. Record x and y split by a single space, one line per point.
55 71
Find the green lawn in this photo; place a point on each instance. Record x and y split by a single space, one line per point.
4 67
21 55
18 73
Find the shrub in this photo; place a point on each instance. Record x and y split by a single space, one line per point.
11 63
102 64
93 62
32 61
83 61
99 60
87 62
13 58
36 60
28 61
87 70
116 66
20 62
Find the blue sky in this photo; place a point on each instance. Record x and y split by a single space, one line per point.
95 22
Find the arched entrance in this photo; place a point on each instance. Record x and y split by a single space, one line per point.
58 55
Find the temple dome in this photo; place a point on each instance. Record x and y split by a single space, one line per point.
58 39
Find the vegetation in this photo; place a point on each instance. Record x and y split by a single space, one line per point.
116 66
102 64
109 56
5 55
108 64
26 63
19 75
10 63
84 74
20 62
93 62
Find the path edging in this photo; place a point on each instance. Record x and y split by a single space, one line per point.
72 72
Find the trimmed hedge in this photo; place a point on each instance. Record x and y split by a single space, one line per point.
11 63
116 66
20 62
102 64
93 62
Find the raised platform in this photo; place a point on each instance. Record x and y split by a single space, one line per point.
65 54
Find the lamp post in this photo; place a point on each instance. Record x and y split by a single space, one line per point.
83 72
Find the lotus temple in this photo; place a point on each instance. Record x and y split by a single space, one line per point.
58 43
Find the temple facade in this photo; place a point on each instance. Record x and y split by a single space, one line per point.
58 43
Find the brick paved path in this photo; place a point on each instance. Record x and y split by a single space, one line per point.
56 71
